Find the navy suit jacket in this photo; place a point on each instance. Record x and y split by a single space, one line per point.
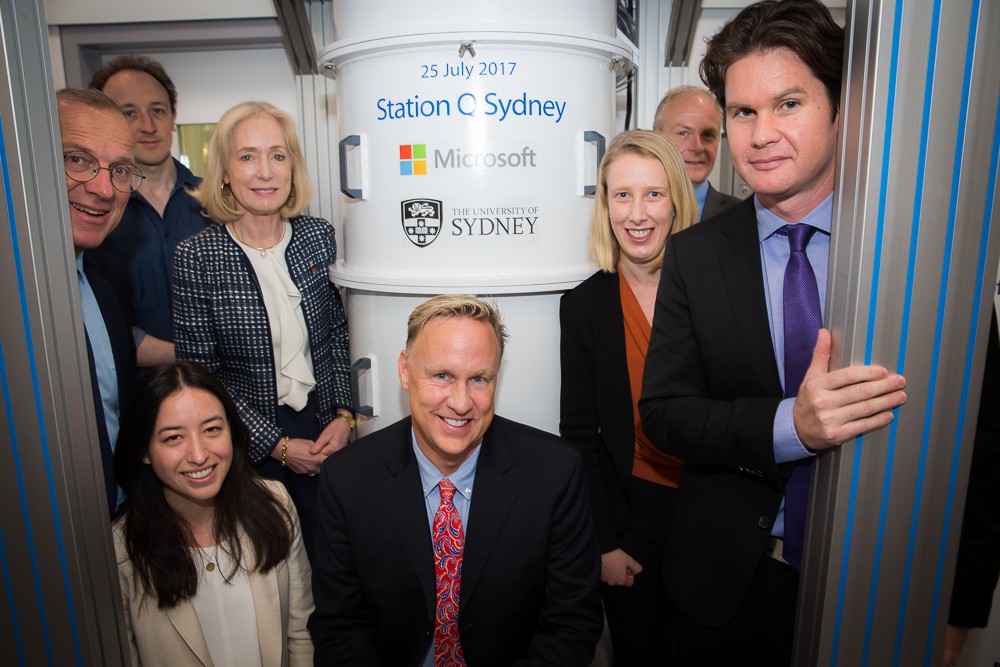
530 572
110 283
709 396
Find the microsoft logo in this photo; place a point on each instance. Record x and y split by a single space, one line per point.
413 160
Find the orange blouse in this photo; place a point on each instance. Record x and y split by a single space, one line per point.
649 463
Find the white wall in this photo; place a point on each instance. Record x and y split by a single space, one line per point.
210 82
70 12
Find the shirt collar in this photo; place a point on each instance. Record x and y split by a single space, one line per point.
186 180
430 476
184 176
700 195
768 223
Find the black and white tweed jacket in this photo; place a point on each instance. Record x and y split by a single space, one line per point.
220 322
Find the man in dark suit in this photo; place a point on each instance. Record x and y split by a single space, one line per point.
414 569
98 149
692 119
737 380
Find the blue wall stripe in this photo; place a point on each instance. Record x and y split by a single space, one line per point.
935 354
977 290
43 440
870 333
4 562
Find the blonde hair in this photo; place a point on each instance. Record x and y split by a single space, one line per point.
659 118
603 245
455 305
217 200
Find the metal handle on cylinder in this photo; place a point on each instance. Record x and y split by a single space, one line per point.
357 368
593 136
352 140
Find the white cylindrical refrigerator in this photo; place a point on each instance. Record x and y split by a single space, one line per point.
470 139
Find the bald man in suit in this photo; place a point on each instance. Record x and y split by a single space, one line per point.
692 119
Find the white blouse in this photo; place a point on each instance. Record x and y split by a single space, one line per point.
289 336
226 609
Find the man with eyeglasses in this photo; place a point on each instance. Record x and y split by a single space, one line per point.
98 148
161 214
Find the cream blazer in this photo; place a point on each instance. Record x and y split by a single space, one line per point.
173 637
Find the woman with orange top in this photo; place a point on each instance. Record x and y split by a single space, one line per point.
644 195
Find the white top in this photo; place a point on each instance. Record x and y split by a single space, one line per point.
226 610
289 336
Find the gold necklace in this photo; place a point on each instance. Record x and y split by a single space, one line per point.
210 563
262 251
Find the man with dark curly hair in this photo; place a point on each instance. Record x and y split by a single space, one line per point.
737 380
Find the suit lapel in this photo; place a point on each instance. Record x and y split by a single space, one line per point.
267 610
612 365
408 519
492 497
107 453
185 621
111 312
711 204
739 264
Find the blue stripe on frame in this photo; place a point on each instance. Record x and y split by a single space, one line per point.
872 310
43 440
978 291
936 348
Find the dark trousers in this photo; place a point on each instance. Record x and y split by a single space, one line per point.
303 489
639 617
761 632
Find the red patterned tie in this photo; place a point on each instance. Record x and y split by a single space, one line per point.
449 541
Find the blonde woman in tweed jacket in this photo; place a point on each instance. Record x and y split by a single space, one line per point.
253 302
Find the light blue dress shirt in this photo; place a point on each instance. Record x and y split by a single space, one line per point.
700 195
774 254
104 357
463 479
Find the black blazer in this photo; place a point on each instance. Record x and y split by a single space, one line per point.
716 202
978 565
595 399
710 393
530 572
110 283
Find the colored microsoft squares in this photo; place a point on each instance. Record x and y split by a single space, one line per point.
413 160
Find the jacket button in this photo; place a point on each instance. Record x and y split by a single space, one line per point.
764 522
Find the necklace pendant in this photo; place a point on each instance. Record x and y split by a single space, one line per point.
210 566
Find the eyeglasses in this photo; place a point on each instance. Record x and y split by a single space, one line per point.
82 167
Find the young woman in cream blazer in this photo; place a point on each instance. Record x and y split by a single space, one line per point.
210 556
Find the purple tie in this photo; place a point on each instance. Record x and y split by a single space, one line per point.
803 319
